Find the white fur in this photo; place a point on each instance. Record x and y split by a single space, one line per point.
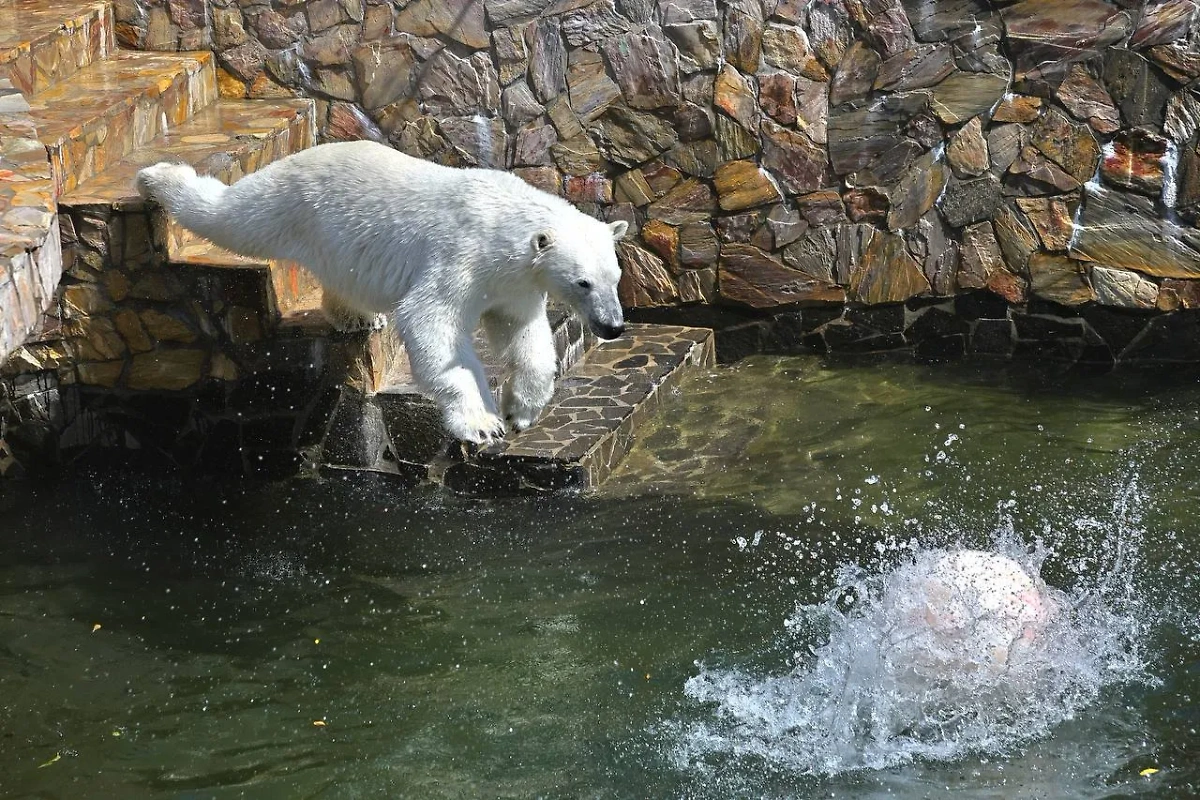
438 249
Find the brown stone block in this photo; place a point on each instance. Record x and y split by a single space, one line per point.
645 280
743 184
750 277
887 273
663 239
1059 279
1053 218
168 370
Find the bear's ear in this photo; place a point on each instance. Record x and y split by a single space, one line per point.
541 242
618 229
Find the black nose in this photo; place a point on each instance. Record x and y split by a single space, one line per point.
607 331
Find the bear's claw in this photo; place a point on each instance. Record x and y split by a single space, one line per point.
480 427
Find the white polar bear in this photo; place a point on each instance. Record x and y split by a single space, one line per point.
439 249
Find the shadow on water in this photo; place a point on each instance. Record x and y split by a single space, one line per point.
339 638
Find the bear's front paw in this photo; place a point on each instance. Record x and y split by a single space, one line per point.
476 427
522 406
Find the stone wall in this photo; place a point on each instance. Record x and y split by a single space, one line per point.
777 154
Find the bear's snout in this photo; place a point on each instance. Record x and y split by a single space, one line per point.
606 331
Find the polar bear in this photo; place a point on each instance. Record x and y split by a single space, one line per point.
438 249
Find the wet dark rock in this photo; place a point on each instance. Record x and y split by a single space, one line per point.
645 280
916 191
919 68
590 89
814 254
887 273
743 184
858 135
1088 100
1118 229
1072 146
1136 87
866 204
1134 161
699 44
855 74
742 33
750 277
547 59
968 201
949 20
1052 218
629 137
967 94
980 256
798 162
1059 279
1163 22
1057 31
967 150
1017 239
777 97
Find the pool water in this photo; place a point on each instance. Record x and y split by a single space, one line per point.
172 637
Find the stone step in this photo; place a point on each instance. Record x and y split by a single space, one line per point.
591 422
45 42
111 108
600 401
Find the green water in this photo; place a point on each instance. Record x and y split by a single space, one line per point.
539 648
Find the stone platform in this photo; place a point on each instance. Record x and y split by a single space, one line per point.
123 335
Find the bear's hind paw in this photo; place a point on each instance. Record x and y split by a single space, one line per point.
476 428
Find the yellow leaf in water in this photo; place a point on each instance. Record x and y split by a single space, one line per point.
96 627
1147 772
318 723
57 756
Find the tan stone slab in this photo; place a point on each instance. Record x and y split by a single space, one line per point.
43 42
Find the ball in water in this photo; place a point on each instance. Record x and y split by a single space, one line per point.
971 609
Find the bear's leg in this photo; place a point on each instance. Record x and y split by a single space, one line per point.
525 345
447 368
345 317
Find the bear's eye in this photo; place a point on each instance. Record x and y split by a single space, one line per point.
585 285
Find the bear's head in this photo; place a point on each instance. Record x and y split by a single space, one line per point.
577 265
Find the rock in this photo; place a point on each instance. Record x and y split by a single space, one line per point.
454 86
750 277
699 159
866 204
478 141
1016 237
229 28
1176 294
347 123
1039 175
631 187
548 179
547 59
798 162
777 97
689 202
512 58
1121 288
743 184
593 188
663 239
822 207
1072 146
563 118
519 105
1134 161
855 74
888 28
1008 285
918 68
1123 230
786 225
591 90
932 244
786 47
733 141
812 109
505 12
738 227
645 281
631 137
858 135
743 33
577 155
699 44
830 32
332 48
1136 88
661 177
980 256
386 72
734 94
1059 279
948 20
459 20
814 254
166 370
967 150
967 94
693 122
1056 31
1163 23
887 273
969 201
273 29
593 23
682 11
646 67
1088 100
1018 108
916 191
533 145
697 245
1052 218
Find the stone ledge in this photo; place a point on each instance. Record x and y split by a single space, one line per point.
589 425
44 42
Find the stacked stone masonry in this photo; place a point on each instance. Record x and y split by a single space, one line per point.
778 154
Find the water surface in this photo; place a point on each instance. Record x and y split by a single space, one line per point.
171 637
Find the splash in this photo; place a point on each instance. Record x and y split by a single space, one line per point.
921 661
